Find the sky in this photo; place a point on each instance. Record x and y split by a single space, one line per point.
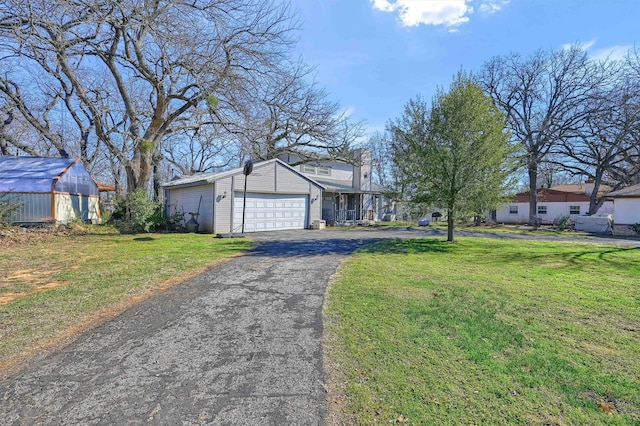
373 56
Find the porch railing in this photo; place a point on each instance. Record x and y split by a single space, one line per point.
346 215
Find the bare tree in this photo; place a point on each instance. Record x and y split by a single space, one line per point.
294 116
551 172
545 98
206 149
135 72
606 141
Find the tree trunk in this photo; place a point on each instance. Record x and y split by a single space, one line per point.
594 203
139 171
450 225
533 199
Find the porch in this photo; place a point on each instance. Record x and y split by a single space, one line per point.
340 208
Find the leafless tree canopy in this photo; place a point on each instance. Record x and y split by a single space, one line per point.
557 105
121 77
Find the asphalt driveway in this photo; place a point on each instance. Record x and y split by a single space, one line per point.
237 345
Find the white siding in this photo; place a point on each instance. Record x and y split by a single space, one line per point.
315 204
503 215
555 210
626 211
339 171
223 205
290 182
186 200
262 179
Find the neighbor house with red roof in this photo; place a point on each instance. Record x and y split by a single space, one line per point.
553 203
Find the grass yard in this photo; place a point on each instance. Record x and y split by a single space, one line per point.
51 288
485 332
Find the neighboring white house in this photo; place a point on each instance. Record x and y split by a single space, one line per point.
552 203
349 194
277 197
49 190
626 204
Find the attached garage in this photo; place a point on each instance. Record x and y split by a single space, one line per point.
270 212
277 198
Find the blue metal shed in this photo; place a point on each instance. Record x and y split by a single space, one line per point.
49 190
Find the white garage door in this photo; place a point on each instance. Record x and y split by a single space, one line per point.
270 212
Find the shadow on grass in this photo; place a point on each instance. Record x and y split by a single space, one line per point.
608 255
411 246
518 253
560 257
144 239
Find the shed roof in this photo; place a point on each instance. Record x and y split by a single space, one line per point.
31 174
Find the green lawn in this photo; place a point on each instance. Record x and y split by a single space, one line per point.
50 288
485 332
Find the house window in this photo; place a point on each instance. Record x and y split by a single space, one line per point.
513 209
308 168
542 209
574 209
323 171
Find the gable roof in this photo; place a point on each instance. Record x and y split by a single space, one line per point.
629 191
32 174
209 178
547 195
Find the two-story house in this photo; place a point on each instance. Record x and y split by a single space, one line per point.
349 194
279 194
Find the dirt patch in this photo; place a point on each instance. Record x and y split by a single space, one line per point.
612 405
6 298
17 235
25 282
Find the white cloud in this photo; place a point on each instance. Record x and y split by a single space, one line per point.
411 13
448 13
493 6
584 46
617 52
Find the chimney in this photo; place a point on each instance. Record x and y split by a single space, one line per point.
362 169
589 185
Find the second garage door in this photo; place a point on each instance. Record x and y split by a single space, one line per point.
270 212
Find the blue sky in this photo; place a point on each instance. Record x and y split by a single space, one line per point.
372 56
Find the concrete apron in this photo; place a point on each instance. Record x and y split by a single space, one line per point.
239 344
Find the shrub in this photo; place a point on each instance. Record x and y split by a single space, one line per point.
636 228
135 212
172 222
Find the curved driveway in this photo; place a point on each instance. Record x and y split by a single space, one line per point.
237 345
